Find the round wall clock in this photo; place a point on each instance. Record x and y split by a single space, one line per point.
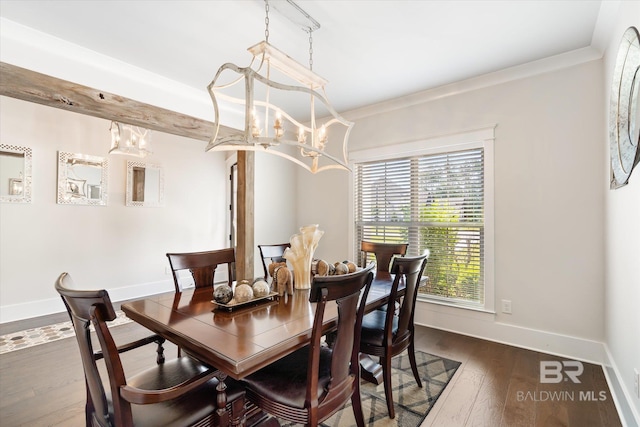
624 113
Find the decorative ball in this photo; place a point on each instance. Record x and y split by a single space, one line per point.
243 293
352 266
341 269
223 294
260 288
322 268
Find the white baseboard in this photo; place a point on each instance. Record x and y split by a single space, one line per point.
13 312
483 325
629 416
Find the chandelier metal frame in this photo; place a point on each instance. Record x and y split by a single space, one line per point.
303 141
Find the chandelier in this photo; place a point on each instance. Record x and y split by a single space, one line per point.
130 140
284 107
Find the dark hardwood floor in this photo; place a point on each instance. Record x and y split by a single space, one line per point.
496 385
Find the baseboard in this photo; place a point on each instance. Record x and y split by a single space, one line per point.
483 325
621 397
13 312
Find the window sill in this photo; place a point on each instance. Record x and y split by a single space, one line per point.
453 305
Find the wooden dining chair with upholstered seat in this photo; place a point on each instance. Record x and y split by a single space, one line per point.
387 333
383 253
271 253
202 266
314 382
178 392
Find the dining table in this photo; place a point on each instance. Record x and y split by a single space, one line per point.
240 341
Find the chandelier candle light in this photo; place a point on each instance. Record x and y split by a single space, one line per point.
302 137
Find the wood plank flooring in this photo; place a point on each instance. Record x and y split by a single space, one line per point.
44 385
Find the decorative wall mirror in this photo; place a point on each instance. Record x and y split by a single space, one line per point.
15 174
624 110
145 185
82 179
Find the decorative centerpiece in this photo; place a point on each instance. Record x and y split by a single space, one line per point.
300 254
244 293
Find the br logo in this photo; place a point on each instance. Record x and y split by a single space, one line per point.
553 371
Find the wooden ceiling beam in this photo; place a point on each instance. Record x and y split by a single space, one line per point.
28 85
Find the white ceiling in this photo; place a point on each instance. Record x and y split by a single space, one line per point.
369 51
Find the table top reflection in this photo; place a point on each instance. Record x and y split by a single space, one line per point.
241 341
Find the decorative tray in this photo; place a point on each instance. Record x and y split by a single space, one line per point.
232 305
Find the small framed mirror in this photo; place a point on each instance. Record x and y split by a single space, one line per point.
145 185
15 174
82 179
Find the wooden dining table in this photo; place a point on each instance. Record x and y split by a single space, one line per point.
246 339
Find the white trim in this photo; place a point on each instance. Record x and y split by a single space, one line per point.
13 312
465 139
623 400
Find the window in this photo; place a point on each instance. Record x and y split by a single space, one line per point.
436 200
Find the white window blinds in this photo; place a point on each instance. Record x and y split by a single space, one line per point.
434 202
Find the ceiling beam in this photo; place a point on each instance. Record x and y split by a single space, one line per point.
28 85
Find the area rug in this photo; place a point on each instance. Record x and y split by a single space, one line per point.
35 336
412 404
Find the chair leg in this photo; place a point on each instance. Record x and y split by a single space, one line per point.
160 352
356 403
386 374
412 361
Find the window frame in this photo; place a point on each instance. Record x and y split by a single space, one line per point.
476 138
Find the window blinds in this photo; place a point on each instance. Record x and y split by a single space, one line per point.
434 202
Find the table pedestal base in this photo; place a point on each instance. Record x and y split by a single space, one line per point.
370 370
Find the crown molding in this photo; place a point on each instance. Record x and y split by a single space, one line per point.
545 65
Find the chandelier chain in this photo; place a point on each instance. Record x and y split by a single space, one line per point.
310 48
266 21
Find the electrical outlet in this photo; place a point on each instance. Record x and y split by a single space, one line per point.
636 383
506 306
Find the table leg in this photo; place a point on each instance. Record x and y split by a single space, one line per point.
222 416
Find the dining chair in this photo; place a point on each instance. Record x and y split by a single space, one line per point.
202 266
178 392
314 382
271 253
387 333
383 253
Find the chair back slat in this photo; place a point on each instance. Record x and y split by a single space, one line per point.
272 253
201 265
383 253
